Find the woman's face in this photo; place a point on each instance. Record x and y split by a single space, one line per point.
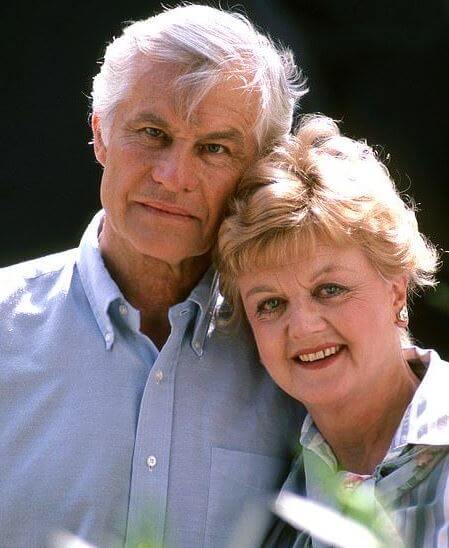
325 323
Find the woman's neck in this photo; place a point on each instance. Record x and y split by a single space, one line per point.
360 431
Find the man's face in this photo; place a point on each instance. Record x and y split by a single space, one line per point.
166 180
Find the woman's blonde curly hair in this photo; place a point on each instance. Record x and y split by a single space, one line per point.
320 185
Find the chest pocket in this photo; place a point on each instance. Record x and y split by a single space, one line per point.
239 480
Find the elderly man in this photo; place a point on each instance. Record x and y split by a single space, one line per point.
125 413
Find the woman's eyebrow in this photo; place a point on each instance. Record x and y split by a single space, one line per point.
329 269
259 289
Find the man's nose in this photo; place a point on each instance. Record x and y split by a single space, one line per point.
175 170
305 319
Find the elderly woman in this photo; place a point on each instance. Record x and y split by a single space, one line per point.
320 254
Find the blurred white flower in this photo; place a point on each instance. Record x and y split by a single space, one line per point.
323 523
64 539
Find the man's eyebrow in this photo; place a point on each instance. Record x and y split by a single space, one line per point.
151 118
230 134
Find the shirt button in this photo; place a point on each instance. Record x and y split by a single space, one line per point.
159 376
108 337
151 462
123 309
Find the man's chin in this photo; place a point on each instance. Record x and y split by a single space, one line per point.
173 251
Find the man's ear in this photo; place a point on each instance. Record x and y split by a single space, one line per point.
98 142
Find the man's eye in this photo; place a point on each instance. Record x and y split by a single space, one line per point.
154 132
269 306
214 148
326 291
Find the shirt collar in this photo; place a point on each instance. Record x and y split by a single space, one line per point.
100 288
312 439
102 291
426 419
207 296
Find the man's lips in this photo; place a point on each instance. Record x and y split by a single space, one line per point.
168 209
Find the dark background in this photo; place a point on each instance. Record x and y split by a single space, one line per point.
379 66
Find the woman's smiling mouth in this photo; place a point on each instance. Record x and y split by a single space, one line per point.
322 357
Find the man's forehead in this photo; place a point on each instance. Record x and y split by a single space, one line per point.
172 86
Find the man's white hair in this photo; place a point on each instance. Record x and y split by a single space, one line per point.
207 45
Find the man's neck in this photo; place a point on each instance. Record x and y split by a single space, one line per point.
152 286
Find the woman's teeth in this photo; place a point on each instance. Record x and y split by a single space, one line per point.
319 355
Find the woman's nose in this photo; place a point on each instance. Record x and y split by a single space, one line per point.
305 319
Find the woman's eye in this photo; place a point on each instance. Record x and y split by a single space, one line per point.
329 290
269 306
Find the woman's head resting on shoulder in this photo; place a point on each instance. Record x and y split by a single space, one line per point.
320 253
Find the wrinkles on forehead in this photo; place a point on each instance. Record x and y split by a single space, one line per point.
191 83
235 110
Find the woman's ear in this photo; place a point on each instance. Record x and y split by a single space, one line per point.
399 287
98 142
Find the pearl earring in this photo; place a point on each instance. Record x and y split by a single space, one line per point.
402 315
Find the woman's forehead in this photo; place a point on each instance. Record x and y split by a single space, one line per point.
282 252
323 257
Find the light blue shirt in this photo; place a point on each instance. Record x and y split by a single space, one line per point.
411 484
105 437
